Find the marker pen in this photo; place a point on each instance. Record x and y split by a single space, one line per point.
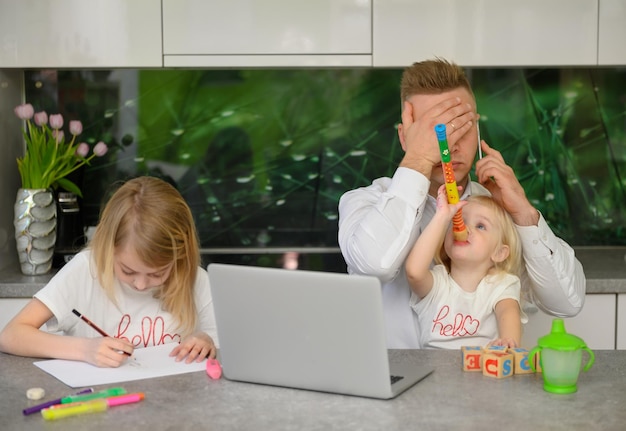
39 407
125 399
93 406
111 392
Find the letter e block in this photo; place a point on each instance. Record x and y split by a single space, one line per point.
521 360
498 364
472 358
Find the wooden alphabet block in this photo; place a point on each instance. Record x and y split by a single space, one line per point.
520 356
472 358
503 349
498 364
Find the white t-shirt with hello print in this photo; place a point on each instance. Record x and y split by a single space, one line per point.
138 317
450 317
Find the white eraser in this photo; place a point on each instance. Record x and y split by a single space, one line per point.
35 393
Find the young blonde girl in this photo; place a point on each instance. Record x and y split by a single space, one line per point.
138 279
472 295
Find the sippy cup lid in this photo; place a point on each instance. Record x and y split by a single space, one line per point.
559 339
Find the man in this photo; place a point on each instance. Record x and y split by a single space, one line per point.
379 224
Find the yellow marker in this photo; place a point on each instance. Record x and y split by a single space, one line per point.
93 406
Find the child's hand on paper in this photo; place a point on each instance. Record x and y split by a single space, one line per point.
106 352
196 347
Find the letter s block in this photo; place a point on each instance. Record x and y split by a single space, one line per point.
521 360
472 358
498 364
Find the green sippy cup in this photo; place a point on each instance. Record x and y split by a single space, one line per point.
560 356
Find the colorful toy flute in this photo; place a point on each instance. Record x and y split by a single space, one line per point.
458 225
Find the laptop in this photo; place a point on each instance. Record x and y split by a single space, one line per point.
307 330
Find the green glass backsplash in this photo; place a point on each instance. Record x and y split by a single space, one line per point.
262 156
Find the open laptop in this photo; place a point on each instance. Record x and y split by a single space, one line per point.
306 329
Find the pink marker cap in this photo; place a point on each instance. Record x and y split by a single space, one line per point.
213 368
125 399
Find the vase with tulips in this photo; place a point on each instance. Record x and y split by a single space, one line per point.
48 160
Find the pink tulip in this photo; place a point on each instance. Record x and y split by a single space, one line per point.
41 118
76 127
56 121
100 149
82 150
58 134
25 111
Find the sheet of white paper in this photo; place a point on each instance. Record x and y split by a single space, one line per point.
152 362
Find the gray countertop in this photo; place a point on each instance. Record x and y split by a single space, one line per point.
447 399
605 268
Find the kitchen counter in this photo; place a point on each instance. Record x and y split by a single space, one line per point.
447 399
605 268
14 284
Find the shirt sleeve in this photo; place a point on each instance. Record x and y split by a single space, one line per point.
553 278
441 286
69 288
376 223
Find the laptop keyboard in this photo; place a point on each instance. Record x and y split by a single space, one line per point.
395 379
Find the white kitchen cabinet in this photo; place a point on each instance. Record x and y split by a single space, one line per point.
249 33
9 308
486 32
595 324
77 33
612 33
621 321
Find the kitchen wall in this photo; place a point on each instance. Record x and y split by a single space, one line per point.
263 155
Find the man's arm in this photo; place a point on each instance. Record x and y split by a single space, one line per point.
553 276
377 223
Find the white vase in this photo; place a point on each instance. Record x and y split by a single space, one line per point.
35 221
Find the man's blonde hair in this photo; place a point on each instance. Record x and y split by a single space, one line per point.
152 217
432 77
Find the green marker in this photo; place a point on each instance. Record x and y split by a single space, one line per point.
102 394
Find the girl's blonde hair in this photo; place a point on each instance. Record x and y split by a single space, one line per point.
150 215
508 236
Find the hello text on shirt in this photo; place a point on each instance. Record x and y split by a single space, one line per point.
459 325
152 332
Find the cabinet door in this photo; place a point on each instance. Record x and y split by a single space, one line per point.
267 33
595 323
78 33
612 32
485 33
621 321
